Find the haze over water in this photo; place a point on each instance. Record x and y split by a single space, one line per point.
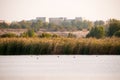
62 67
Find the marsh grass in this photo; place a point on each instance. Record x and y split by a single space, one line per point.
57 46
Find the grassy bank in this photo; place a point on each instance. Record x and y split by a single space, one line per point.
36 46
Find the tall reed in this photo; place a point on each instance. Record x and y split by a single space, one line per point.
55 46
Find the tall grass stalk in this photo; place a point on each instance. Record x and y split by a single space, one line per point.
58 46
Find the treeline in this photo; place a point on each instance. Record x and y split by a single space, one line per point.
112 28
63 26
98 29
58 46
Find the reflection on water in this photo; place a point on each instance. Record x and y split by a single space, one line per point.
60 67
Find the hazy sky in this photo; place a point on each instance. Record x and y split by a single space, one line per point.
12 10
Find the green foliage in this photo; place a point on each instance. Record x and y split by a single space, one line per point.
114 26
97 32
77 25
20 25
9 35
70 35
25 24
29 33
45 35
4 25
117 34
48 35
24 34
55 36
42 46
15 25
37 25
99 23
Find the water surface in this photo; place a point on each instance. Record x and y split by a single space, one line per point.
60 67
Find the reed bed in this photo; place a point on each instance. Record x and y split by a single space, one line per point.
59 46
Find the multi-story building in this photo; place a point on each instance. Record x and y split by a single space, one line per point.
43 19
69 20
1 21
57 21
78 19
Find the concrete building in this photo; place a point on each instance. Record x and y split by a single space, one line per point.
1 21
59 20
56 20
43 19
69 20
78 18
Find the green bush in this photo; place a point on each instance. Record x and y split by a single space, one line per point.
55 36
70 35
117 34
9 35
114 26
45 35
97 32
29 33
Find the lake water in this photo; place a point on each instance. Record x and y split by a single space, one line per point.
60 67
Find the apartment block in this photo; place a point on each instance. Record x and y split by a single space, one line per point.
78 18
57 21
43 19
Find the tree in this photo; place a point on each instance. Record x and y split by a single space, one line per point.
117 34
114 26
4 25
97 32
99 23
37 25
15 25
25 24
86 24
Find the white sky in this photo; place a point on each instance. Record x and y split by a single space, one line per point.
15 10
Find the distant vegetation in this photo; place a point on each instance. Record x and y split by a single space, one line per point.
65 46
29 33
8 35
114 26
38 24
117 33
70 35
97 32
48 35
98 29
103 38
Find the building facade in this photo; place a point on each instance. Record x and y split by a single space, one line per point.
57 21
1 21
43 19
78 18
